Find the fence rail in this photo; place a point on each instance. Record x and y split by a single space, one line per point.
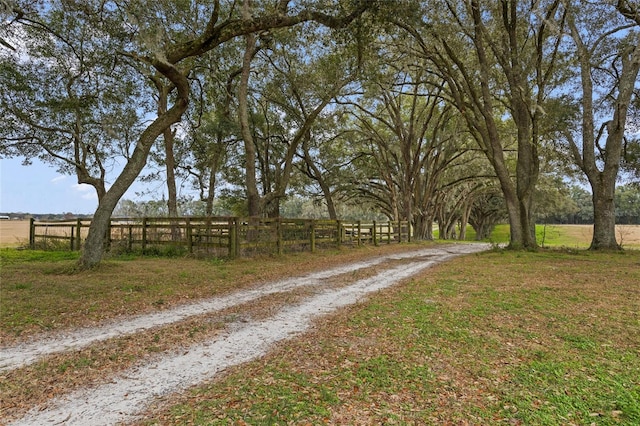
220 236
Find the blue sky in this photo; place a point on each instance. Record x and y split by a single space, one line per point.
40 189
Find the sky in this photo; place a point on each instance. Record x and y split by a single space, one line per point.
40 189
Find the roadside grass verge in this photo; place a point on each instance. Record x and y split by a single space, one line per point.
519 338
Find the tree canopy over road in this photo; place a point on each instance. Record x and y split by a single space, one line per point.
423 110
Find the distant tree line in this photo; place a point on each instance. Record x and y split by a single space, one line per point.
46 216
575 206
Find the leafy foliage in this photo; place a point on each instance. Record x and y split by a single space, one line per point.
375 104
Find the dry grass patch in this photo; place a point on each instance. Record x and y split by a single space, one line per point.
14 233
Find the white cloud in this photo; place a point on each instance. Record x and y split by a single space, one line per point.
87 191
58 178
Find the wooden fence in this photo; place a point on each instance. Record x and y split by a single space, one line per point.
219 236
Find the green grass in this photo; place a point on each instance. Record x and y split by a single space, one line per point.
11 255
519 338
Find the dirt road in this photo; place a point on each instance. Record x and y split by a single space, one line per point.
122 397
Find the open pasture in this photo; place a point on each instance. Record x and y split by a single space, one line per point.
579 236
14 233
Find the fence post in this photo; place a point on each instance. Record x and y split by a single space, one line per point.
144 234
389 232
359 233
71 239
339 233
78 234
313 235
233 237
189 232
374 233
32 233
279 243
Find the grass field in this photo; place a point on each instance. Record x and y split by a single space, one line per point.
520 338
14 233
567 236
579 236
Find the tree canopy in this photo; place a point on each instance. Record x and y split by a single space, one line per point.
432 111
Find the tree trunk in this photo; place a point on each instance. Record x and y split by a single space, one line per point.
326 190
172 193
488 131
314 173
424 227
170 161
603 182
94 244
271 208
251 183
210 192
464 219
526 178
170 165
407 203
428 233
604 219
528 162
604 216
215 162
331 207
